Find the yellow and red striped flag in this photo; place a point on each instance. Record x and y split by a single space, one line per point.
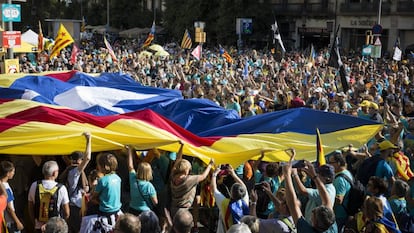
320 156
40 39
226 55
150 37
62 40
186 43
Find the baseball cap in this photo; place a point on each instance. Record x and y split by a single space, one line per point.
374 105
327 171
76 155
385 145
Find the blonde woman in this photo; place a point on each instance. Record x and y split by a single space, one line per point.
183 185
143 194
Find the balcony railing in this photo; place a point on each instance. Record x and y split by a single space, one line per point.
405 7
366 8
309 9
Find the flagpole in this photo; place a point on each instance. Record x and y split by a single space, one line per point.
10 27
107 14
379 12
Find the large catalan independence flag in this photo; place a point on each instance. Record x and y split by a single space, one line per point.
46 115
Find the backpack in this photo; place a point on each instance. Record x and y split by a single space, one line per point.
356 195
46 205
367 169
292 227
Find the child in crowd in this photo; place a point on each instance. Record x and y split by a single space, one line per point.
7 171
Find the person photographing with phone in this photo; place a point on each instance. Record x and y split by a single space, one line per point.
237 205
322 217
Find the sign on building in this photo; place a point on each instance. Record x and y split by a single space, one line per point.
11 12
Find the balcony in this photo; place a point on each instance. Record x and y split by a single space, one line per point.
405 7
300 9
364 8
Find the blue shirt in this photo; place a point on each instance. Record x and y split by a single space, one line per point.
141 193
342 187
384 170
109 189
304 226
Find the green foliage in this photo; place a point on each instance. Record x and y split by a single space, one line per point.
219 15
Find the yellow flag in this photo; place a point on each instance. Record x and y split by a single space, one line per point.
62 40
320 156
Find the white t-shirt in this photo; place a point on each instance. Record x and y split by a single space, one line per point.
63 197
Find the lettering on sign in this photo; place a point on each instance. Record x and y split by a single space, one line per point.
363 22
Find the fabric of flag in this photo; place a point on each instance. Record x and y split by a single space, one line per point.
40 39
186 43
402 163
320 156
63 39
226 55
336 61
74 54
206 193
234 211
246 70
197 52
276 36
397 51
110 50
150 37
312 55
47 115
83 25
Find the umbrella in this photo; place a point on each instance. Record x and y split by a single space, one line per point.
156 47
145 54
161 53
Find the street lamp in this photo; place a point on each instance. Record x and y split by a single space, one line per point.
107 14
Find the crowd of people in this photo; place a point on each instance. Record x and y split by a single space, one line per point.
161 191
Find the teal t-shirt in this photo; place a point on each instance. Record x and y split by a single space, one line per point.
342 187
141 193
109 189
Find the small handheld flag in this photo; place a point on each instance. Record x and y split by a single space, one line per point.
150 37
62 40
276 36
40 39
75 51
186 43
226 55
320 156
397 51
197 52
110 50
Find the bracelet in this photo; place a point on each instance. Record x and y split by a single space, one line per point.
253 203
316 176
294 175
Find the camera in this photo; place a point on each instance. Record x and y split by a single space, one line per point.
224 167
258 186
299 164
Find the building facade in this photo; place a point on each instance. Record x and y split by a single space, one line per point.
306 22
